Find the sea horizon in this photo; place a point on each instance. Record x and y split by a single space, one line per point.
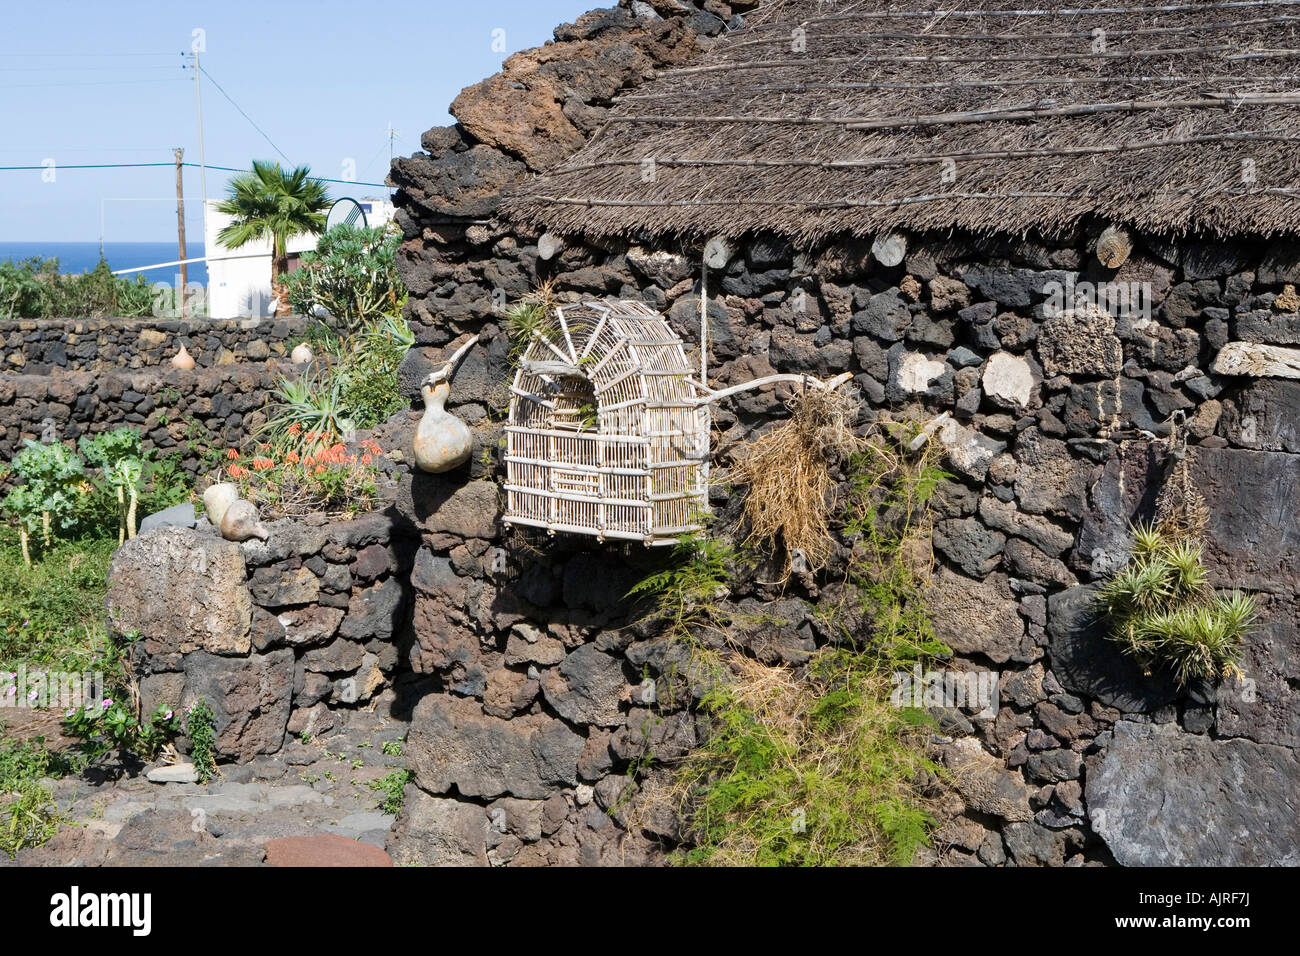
77 257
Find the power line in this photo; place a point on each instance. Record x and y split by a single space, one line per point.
205 72
28 86
85 55
224 169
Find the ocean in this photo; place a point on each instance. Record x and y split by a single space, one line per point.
82 256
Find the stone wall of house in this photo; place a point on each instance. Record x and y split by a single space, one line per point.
1053 427
41 346
193 414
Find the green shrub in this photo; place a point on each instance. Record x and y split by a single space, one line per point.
813 766
52 611
1163 613
352 276
393 788
200 729
34 288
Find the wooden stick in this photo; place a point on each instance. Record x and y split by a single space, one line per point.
806 62
925 159
1062 81
783 35
830 385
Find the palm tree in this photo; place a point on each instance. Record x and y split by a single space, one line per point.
268 203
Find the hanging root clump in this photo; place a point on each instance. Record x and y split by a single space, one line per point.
1161 608
788 471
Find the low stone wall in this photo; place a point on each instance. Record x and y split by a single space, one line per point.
186 412
273 635
39 346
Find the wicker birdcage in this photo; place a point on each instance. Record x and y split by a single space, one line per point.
607 435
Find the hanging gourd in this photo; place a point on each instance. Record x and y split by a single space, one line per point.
442 441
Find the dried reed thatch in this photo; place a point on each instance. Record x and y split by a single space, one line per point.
819 119
787 469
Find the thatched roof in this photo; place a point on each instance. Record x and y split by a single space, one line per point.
1179 117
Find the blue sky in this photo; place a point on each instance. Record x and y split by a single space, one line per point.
88 81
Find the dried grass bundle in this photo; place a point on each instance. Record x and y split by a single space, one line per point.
791 491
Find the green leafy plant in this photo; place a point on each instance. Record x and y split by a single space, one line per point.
53 481
1163 613
393 788
199 727
109 726
352 277
392 748
121 458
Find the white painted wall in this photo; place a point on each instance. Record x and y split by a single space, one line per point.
239 280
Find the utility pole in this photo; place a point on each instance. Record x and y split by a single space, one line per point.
180 226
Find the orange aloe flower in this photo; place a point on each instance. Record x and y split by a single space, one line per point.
232 454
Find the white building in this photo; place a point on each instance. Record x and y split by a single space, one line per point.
239 280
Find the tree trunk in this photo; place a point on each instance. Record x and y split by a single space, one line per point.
279 267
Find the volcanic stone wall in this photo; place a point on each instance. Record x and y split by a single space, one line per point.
291 629
194 414
1053 425
41 346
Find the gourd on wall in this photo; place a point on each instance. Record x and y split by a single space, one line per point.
442 441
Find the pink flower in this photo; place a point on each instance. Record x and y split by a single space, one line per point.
12 691
108 702
32 695
70 712
167 716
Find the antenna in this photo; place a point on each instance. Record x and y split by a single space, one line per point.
392 134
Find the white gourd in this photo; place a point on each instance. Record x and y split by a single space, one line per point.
442 441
